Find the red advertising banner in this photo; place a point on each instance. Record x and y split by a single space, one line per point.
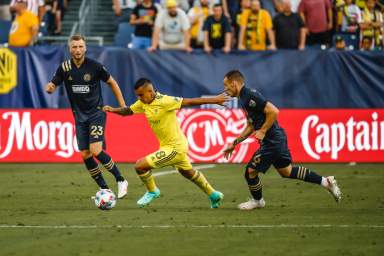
334 135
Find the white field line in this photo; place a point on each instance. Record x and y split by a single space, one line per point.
199 167
282 226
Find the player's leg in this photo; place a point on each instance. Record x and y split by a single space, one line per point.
283 165
82 136
161 158
97 143
260 162
307 175
184 166
93 168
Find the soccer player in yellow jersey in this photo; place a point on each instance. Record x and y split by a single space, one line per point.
160 111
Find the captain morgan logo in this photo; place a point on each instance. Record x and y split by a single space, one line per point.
8 70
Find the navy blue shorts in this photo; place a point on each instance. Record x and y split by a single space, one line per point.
276 154
91 131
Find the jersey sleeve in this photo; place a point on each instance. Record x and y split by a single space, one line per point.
104 74
58 78
171 103
137 107
259 100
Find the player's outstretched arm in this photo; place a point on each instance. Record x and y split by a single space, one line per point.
218 99
50 87
243 136
123 111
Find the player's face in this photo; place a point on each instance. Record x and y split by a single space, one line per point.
230 87
77 49
146 93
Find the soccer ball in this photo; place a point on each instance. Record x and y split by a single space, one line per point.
105 199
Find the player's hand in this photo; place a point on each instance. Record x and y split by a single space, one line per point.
107 108
50 88
228 151
259 134
221 99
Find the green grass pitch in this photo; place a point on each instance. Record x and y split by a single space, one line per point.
45 209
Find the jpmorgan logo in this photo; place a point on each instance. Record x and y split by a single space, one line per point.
210 131
8 70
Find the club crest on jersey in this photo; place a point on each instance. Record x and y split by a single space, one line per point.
87 77
252 103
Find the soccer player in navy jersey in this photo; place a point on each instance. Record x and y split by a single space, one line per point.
81 77
261 115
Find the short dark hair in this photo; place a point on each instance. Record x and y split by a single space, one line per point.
217 5
141 82
77 38
234 75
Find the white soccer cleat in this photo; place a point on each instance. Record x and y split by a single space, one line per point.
333 188
122 189
252 204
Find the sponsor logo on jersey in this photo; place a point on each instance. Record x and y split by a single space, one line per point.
80 88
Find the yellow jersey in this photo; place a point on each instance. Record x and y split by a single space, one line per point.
161 115
21 30
256 29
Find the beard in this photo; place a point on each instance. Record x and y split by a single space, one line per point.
172 14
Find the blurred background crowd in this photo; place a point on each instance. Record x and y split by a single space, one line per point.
225 25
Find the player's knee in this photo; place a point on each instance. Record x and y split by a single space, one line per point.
284 173
85 154
250 173
140 168
187 173
95 152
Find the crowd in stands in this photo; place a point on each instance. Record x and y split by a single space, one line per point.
31 17
253 24
218 24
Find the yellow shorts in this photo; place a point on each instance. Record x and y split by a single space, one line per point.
169 157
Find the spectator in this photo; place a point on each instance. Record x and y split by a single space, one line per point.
25 26
197 16
372 24
182 4
34 6
366 43
143 17
289 28
171 29
295 5
4 10
340 44
351 17
245 6
256 25
123 10
217 31
317 16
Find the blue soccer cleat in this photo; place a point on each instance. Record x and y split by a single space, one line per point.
148 197
216 199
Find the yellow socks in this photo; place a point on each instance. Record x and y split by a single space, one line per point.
200 180
148 181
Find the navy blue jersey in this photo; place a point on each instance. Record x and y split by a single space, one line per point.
253 104
83 86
